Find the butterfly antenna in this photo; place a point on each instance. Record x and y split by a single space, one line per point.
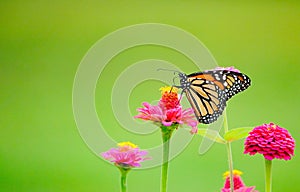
174 79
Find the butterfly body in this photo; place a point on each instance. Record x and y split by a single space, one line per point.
208 91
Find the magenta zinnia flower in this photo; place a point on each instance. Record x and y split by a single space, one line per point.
126 155
239 185
271 141
168 111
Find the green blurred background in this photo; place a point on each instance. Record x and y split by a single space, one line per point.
43 42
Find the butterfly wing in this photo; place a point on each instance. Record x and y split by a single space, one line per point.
209 91
233 82
206 98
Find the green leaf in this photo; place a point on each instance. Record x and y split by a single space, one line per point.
211 134
236 134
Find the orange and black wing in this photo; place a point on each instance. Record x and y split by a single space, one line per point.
233 82
209 91
206 98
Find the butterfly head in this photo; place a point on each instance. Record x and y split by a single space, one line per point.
183 80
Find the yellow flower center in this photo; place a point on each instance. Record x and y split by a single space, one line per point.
168 89
235 173
127 144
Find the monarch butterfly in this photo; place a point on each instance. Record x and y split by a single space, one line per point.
208 91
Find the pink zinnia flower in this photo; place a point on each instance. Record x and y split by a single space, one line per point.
228 69
169 98
168 111
271 141
126 155
239 185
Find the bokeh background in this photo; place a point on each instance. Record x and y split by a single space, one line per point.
43 42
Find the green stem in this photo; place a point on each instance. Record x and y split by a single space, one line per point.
268 174
229 154
124 172
166 135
